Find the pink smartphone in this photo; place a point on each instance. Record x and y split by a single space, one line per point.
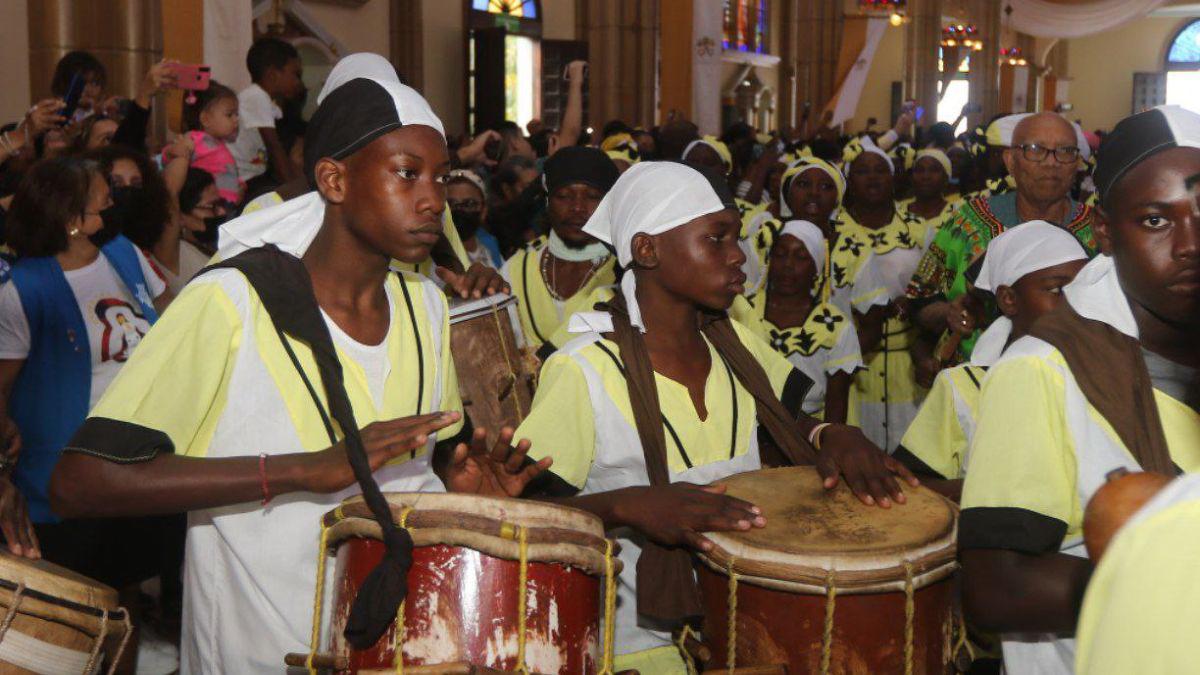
192 77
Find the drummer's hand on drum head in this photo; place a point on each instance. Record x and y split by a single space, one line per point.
14 522
869 472
385 440
502 471
677 514
479 281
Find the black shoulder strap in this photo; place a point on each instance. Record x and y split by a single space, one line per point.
285 289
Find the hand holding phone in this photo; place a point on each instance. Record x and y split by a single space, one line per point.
191 76
71 99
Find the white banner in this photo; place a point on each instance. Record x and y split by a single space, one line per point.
850 92
1044 19
228 33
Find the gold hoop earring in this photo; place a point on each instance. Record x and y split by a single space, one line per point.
73 232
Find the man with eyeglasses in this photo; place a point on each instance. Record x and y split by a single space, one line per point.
1044 156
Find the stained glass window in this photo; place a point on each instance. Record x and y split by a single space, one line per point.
745 26
522 8
1185 49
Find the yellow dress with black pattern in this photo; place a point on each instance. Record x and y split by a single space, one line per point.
885 397
823 345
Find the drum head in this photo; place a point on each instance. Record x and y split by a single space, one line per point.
812 531
464 309
553 533
58 582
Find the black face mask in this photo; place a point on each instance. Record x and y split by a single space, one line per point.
211 226
466 222
127 215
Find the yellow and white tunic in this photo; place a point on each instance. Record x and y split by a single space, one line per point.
1143 603
940 435
823 346
582 417
952 204
1041 451
886 396
214 376
541 312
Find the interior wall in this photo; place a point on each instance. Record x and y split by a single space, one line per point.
888 67
558 19
361 28
1102 68
14 76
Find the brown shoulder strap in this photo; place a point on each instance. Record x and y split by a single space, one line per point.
666 586
771 412
1110 370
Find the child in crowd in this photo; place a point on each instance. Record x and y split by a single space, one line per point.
274 67
212 122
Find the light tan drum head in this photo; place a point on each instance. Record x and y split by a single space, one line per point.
812 532
58 582
487 524
464 310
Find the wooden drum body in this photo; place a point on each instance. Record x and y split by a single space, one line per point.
466 586
495 378
832 585
56 622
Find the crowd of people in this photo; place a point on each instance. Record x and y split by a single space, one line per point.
1004 315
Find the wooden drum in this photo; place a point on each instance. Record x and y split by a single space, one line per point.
57 622
831 585
495 377
495 583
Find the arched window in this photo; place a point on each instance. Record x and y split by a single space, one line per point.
1182 67
522 8
746 26
1184 52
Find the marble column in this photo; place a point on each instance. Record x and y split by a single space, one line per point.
985 66
923 36
622 58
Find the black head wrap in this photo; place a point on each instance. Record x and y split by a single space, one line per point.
1138 137
349 118
578 164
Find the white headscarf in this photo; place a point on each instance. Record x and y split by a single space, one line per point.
649 198
1019 251
811 236
293 224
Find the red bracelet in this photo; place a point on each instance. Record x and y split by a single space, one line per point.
262 474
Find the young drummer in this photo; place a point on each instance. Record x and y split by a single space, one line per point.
554 275
1103 382
1026 269
224 413
661 395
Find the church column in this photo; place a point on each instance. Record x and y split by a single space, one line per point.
985 65
923 36
816 32
621 56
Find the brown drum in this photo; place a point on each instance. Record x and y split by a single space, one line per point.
831 585
495 583
495 378
57 622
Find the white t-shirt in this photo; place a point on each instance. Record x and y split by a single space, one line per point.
256 110
114 320
191 261
372 358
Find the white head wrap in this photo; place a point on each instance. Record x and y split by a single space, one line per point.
1019 251
938 156
293 224
811 236
649 198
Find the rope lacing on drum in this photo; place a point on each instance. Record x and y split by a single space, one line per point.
18 594
610 608
91 662
521 534
513 377
731 630
909 610
681 644
112 668
398 648
827 632
322 552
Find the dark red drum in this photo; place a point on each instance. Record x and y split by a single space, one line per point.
466 586
831 585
